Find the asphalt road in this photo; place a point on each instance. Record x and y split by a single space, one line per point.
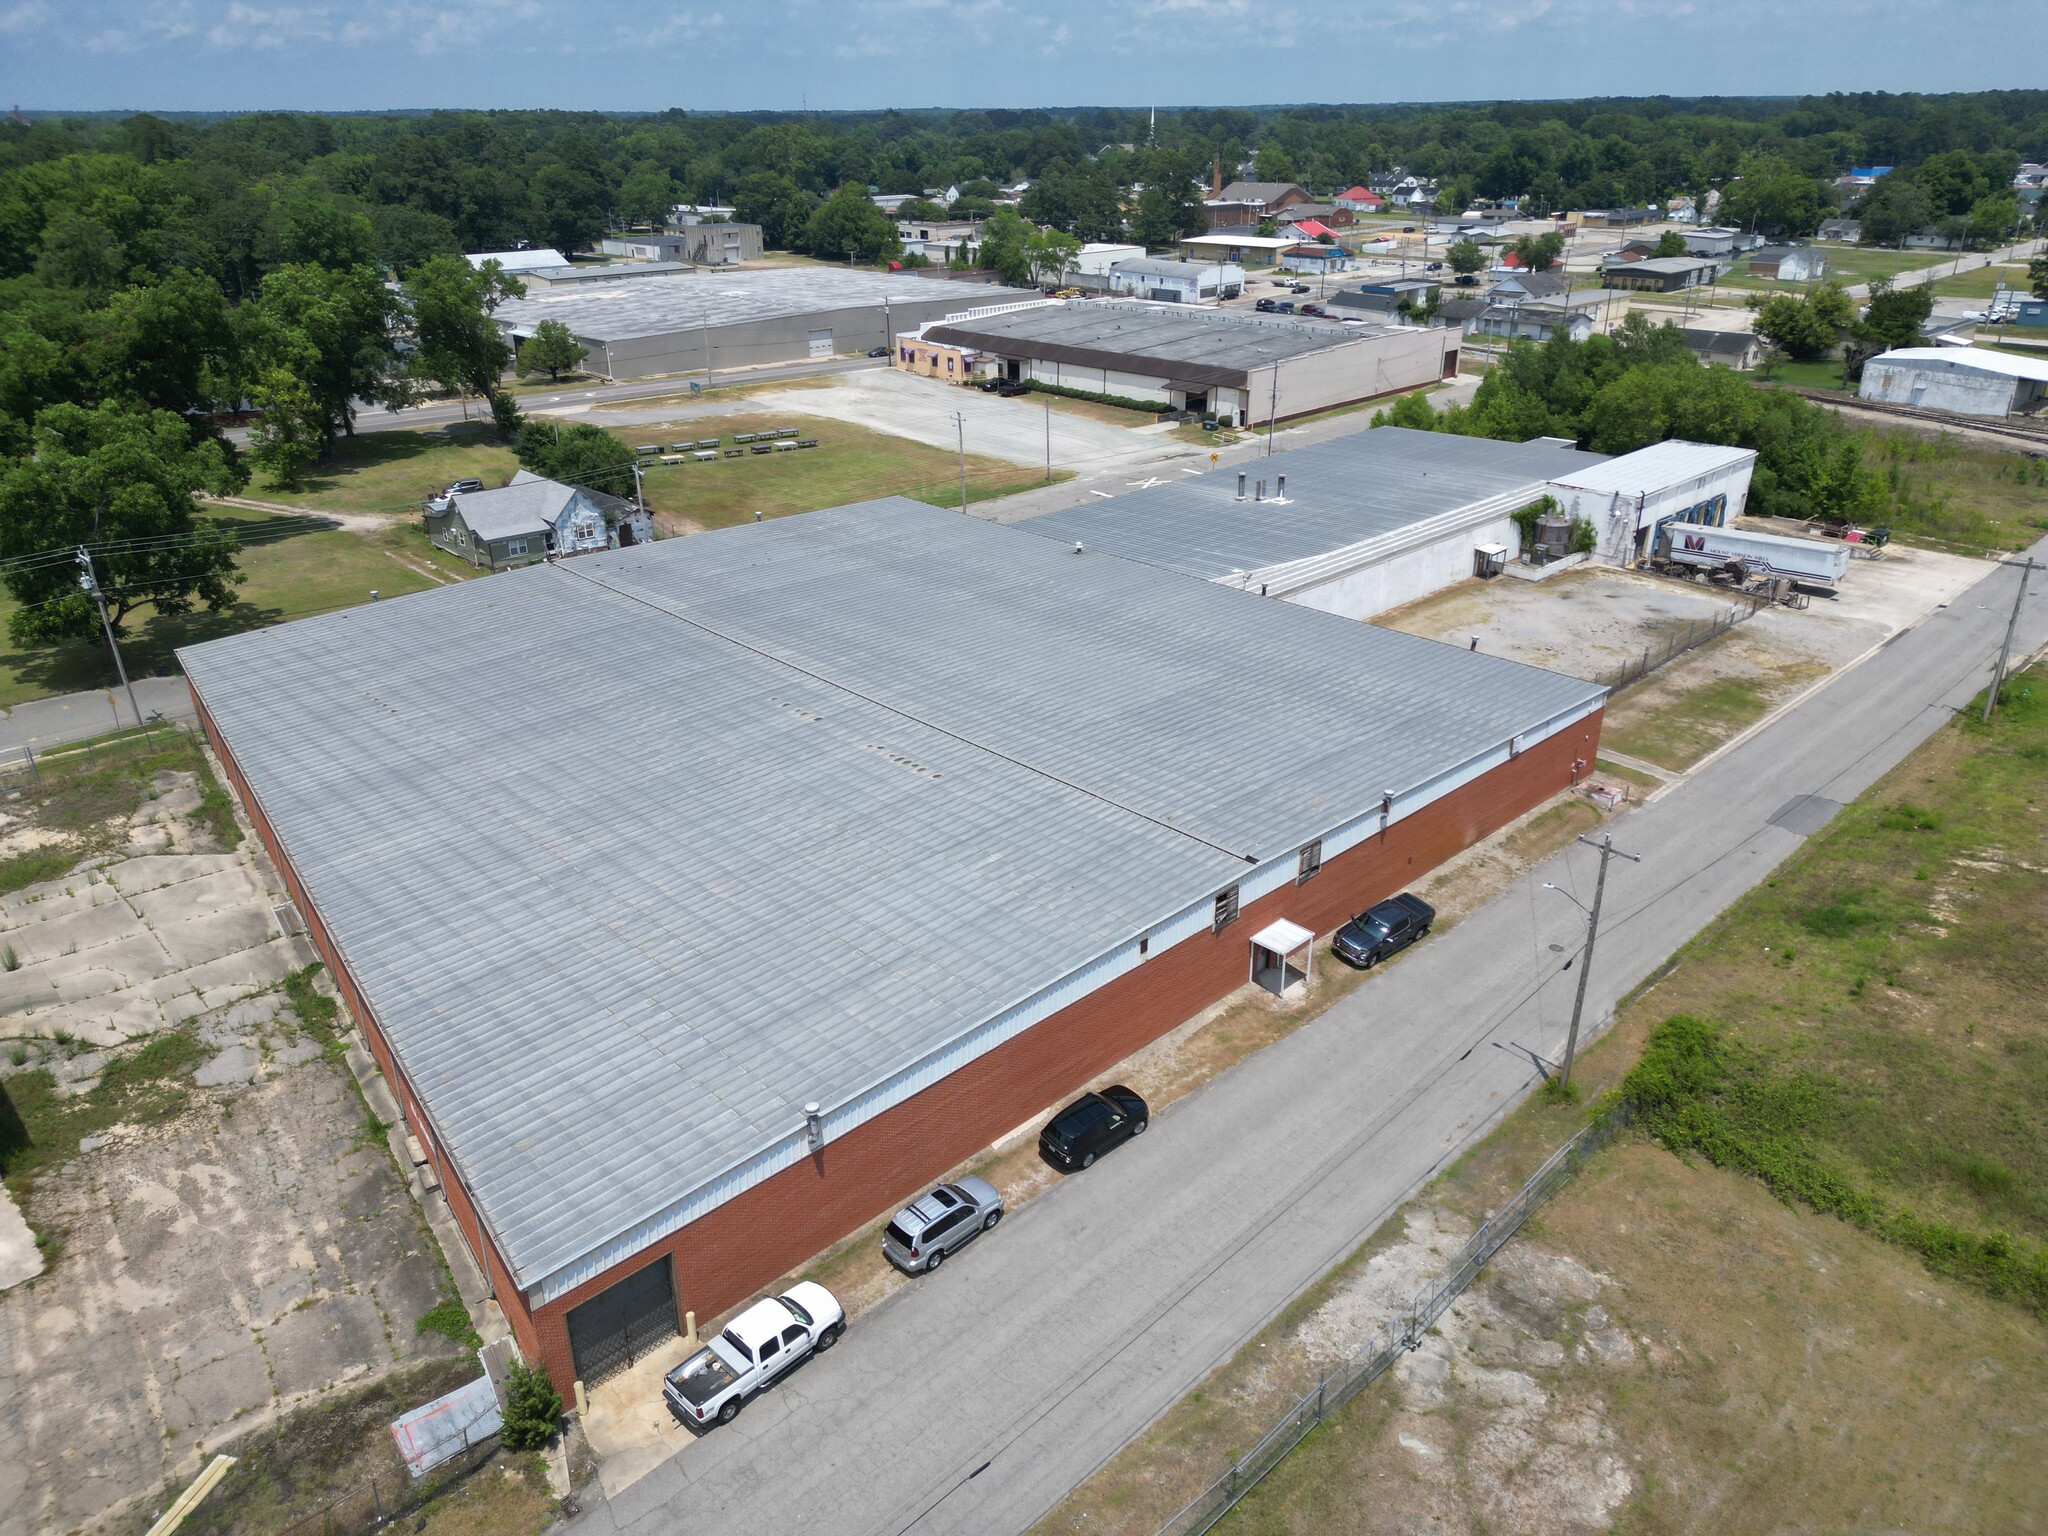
972 1401
50 722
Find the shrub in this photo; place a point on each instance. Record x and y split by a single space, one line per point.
1908 817
1840 918
533 1409
450 1319
1149 407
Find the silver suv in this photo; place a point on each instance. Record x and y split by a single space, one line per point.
928 1229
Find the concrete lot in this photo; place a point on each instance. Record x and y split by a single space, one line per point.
1591 620
216 1263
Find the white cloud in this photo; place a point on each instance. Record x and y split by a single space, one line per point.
22 17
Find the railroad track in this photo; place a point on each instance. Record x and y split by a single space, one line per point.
2035 435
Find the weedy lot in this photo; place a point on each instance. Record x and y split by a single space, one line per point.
224 1231
1827 1313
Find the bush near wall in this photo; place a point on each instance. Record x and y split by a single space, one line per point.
1150 407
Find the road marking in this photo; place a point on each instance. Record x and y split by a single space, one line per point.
1105 495
1145 484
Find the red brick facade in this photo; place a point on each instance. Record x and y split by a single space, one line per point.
729 1254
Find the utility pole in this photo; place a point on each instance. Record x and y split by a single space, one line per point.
91 583
1048 440
2026 569
1272 410
960 423
1607 851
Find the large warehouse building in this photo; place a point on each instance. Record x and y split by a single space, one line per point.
1362 524
1240 369
784 889
1970 381
695 322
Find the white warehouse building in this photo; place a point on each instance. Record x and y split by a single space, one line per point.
1167 281
1363 524
1969 381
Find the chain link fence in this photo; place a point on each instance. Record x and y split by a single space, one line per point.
1400 1334
1676 644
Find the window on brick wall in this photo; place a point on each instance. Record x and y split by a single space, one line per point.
1311 861
1226 909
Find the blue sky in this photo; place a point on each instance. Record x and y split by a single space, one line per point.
714 54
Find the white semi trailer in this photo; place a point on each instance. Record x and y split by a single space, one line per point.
1689 549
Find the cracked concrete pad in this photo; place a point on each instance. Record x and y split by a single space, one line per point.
236 1064
20 1259
214 1269
147 873
233 976
197 896
210 936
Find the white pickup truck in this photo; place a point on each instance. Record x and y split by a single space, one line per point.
758 1347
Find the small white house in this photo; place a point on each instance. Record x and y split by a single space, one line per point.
532 519
1176 282
1789 263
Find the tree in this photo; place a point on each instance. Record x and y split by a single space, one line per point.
1465 257
848 223
568 208
1808 327
458 345
647 194
332 330
407 236
1411 410
317 232
1772 196
1539 253
169 345
551 350
121 481
1670 243
923 208
1273 163
1994 218
1892 318
1005 243
291 429
533 1409
1048 253
580 454
2037 277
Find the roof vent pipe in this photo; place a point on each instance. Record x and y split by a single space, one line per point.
1282 492
814 1127
1240 485
1260 494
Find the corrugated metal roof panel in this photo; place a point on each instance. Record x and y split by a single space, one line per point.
1339 493
755 818
1655 468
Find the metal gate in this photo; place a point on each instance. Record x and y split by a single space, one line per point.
617 1327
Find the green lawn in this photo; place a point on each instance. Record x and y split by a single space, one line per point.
1823 374
1981 282
396 471
1860 263
288 578
850 463
1958 493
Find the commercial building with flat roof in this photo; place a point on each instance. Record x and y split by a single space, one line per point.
1968 381
693 322
1362 524
871 892
1239 368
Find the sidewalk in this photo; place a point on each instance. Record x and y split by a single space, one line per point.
41 723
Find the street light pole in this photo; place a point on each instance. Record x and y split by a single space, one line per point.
91 583
960 423
2026 570
1607 851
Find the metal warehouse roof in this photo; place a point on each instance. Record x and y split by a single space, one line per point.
1198 346
683 301
791 812
1339 493
1655 468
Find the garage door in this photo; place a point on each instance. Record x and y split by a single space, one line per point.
821 343
619 1326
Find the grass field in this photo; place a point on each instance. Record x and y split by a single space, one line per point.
396 471
1956 493
1759 1365
850 463
1824 374
1982 282
302 573
1676 729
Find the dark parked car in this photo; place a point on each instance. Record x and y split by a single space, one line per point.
878 351
1299 288
1092 1125
1435 266
1265 306
1383 930
1283 306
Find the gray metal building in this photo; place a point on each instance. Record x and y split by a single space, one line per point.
1239 368
868 893
684 323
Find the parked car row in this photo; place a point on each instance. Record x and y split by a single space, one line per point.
772 1337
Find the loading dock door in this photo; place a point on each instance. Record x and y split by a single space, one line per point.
621 1325
820 343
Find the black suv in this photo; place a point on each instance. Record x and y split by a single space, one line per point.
1380 931
1092 1125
